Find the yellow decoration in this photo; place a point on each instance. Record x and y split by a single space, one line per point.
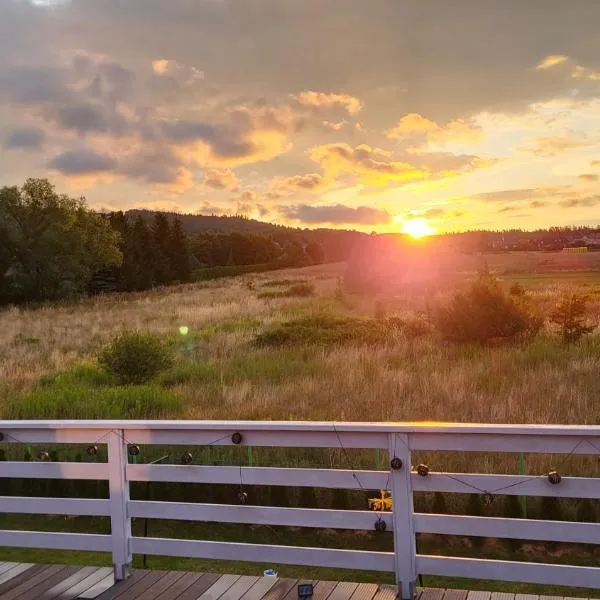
381 504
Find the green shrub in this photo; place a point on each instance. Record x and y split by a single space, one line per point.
570 316
298 290
81 402
326 330
485 314
135 357
189 373
86 374
282 282
410 328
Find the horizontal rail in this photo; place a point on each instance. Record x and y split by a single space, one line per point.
500 570
259 515
507 485
43 433
55 506
520 529
326 478
54 470
55 541
387 427
267 554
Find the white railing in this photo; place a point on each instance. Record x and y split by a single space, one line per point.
398 439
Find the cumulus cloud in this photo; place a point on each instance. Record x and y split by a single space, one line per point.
371 166
308 182
508 195
337 214
221 179
82 162
588 177
347 103
415 127
25 138
554 145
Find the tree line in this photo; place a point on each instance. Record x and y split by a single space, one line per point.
54 247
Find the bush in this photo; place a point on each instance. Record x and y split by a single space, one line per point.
135 357
298 290
81 402
85 374
189 373
326 330
570 316
485 314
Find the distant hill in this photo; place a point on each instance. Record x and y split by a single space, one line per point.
337 243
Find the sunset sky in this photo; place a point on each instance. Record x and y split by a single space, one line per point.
337 113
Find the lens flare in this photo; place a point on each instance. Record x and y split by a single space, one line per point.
417 228
184 330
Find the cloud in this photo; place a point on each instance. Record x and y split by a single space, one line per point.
371 166
537 204
588 177
552 61
26 138
221 179
416 128
433 213
580 202
337 214
553 145
595 163
160 165
160 66
508 195
309 181
82 162
350 104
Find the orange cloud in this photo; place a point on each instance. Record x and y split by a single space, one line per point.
371 166
221 179
345 102
309 182
552 61
414 125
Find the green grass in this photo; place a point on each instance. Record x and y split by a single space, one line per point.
190 373
74 401
298 290
282 282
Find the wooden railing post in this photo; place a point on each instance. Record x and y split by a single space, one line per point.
403 516
120 523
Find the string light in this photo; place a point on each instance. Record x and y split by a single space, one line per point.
133 449
380 525
43 455
186 458
242 497
423 470
237 438
396 463
92 450
554 477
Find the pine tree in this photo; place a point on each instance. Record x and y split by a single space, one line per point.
142 255
161 235
179 253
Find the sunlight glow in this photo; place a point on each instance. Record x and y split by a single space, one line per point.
417 228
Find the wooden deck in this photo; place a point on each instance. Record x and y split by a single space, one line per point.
62 582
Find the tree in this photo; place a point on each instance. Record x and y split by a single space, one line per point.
315 252
161 234
179 254
140 247
51 244
570 316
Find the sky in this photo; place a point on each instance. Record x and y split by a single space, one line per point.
378 115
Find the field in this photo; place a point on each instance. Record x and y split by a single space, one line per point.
233 361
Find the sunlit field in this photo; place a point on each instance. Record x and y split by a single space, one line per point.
234 361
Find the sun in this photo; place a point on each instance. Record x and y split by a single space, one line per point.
417 228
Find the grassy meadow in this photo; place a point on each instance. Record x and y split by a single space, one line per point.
294 344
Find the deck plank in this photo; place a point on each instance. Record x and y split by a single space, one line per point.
185 580
456 595
526 597
260 588
343 590
240 587
86 584
16 571
323 590
198 587
281 589
219 587
136 590
35 587
479 595
365 591
50 593
156 590
387 592
25 575
502 596
431 594
121 586
7 566
99 588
